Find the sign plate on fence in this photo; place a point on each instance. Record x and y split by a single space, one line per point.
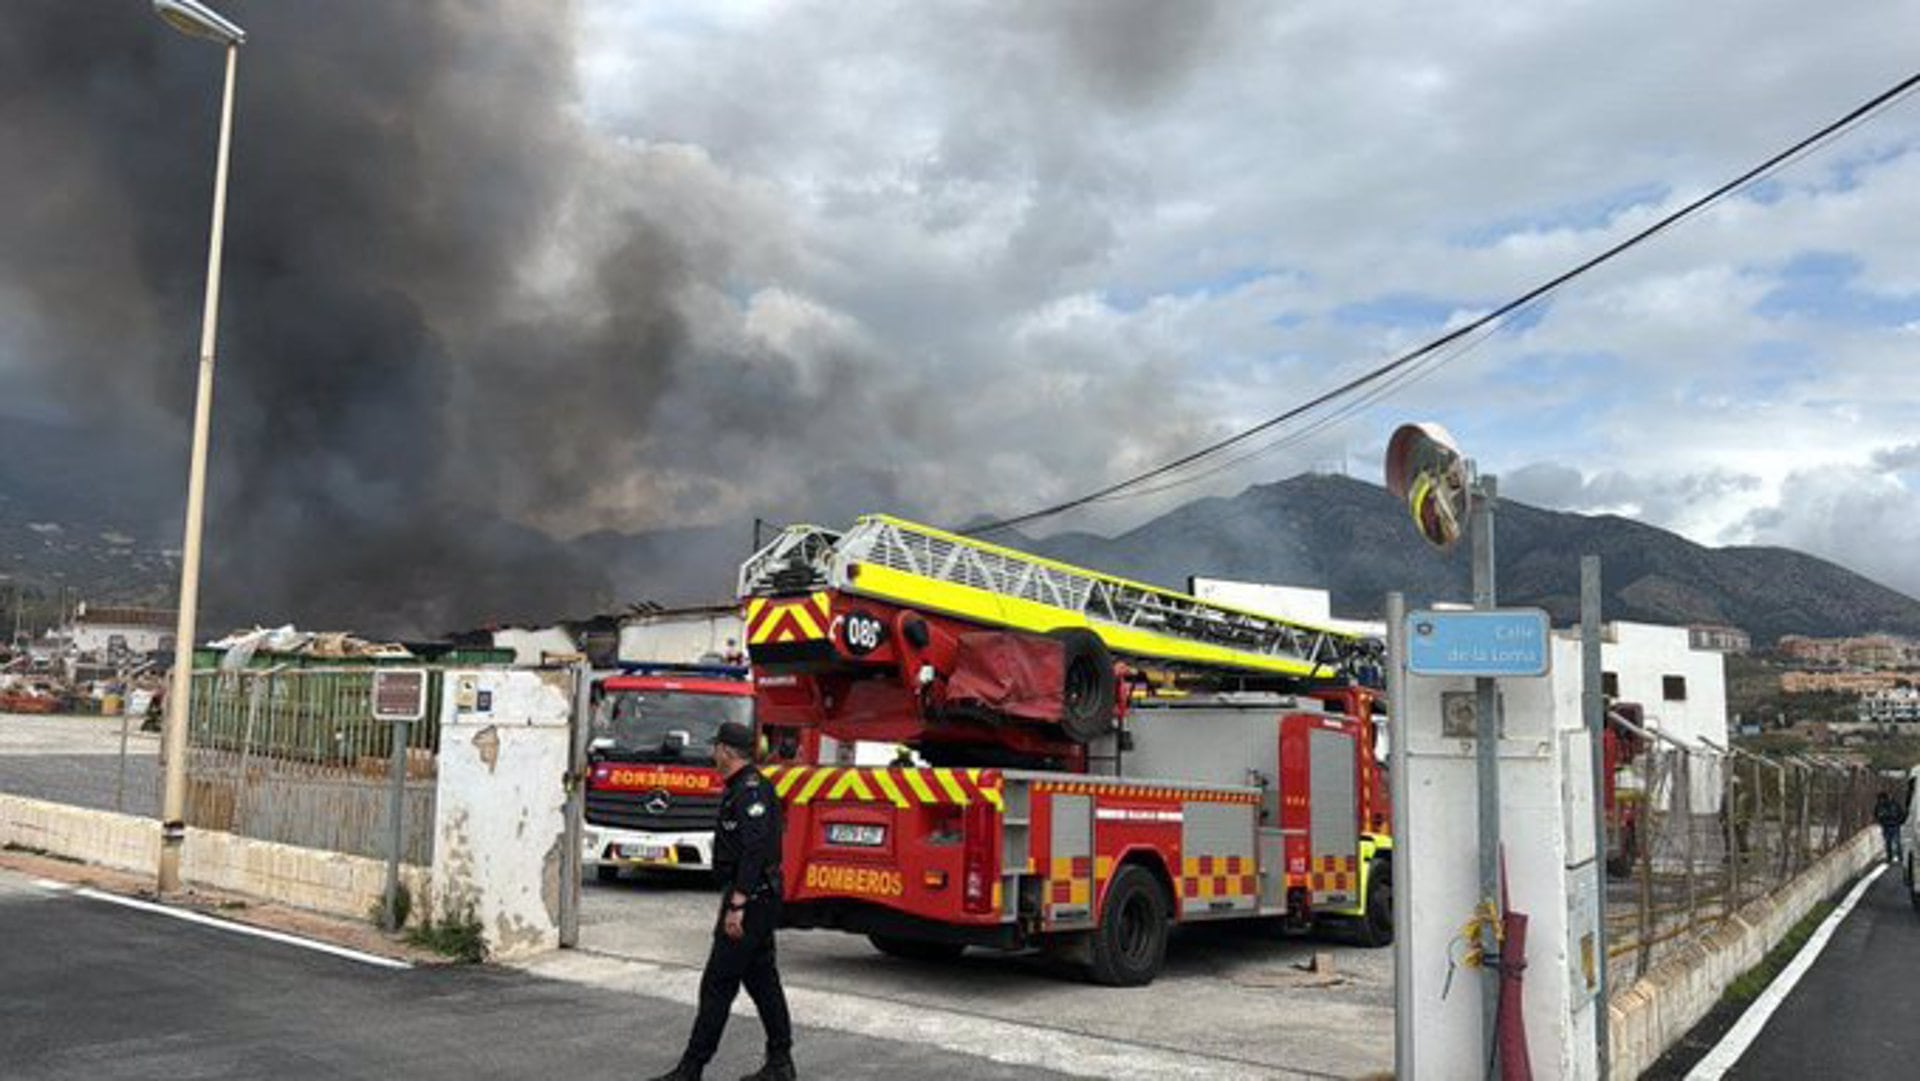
1500 642
399 694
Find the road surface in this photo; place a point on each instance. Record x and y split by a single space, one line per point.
76 760
1856 1013
1234 999
90 991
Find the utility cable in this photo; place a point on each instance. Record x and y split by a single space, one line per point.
1802 146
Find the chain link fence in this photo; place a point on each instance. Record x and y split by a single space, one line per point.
296 756
1694 831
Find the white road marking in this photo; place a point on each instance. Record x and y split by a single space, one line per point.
242 929
1718 1061
50 884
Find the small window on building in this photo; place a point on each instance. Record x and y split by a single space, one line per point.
1673 688
1610 684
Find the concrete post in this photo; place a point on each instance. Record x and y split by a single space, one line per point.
396 826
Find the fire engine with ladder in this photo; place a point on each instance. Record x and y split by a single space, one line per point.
1083 760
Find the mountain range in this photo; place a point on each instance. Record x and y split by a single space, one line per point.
108 536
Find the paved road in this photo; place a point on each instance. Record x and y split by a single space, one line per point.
77 760
1856 1013
95 992
1233 1000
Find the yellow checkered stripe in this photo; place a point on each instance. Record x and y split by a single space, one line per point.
792 619
1334 874
1186 795
1070 881
801 785
1209 878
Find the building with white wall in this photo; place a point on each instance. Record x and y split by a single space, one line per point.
712 634
98 631
1681 688
1894 705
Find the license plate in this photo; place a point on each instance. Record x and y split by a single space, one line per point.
647 853
856 834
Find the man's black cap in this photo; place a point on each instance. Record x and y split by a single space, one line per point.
736 735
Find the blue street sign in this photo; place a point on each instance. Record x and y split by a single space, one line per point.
1500 642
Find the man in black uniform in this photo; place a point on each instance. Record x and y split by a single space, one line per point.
746 858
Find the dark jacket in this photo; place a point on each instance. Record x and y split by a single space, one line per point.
746 841
1888 812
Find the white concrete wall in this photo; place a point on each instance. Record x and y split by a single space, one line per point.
1543 764
500 811
329 882
1641 655
682 637
94 638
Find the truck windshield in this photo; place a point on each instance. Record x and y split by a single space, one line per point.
664 726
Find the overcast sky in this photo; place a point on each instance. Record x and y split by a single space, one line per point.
959 258
1117 228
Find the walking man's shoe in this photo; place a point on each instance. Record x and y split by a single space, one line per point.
776 1069
681 1072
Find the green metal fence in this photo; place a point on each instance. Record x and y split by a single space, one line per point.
295 755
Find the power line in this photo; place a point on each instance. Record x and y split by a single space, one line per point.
1829 131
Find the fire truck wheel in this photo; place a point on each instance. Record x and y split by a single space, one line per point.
1086 694
915 949
606 872
1131 942
1376 926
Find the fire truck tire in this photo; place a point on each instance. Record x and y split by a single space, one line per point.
1376 925
606 872
1129 946
915 949
1086 694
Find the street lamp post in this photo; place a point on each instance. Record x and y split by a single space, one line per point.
195 20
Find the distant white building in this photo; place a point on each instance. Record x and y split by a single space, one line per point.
1298 603
711 634
1681 688
98 631
535 646
1897 705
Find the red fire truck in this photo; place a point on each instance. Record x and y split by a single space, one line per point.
1093 759
1622 790
652 790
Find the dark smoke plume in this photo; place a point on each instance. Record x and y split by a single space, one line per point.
459 324
392 393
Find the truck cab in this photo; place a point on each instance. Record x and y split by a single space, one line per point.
652 789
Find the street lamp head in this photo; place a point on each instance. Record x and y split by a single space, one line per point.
195 19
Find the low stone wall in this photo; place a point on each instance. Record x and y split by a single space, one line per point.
1662 1006
329 882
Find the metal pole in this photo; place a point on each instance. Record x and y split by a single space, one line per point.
120 777
1486 703
571 858
173 829
1593 703
396 826
1398 734
1731 817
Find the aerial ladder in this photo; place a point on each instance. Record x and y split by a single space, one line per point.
939 609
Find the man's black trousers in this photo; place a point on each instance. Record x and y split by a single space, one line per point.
747 961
